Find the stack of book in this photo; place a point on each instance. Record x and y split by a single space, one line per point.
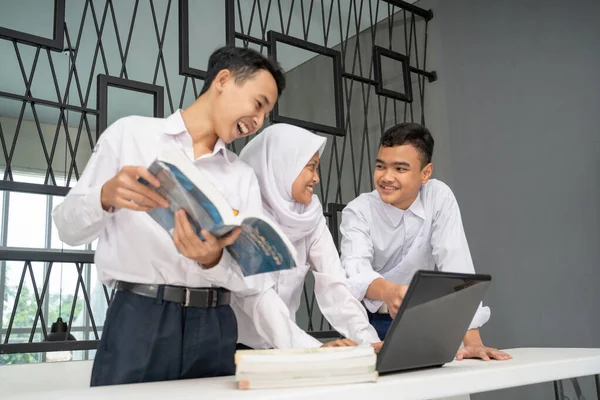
262 369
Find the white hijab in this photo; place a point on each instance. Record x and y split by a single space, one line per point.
278 155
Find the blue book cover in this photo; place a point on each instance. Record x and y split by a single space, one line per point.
260 248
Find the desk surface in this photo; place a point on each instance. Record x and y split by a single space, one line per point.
528 366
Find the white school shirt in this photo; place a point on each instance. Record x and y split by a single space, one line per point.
132 247
383 241
317 253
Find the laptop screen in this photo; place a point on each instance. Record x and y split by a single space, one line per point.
432 320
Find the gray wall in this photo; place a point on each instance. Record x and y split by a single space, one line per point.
309 96
516 115
517 128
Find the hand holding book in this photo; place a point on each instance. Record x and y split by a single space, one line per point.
259 247
207 252
125 191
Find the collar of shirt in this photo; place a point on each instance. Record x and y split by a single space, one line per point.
395 214
174 125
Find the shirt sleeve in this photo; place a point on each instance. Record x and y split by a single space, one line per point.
271 317
357 252
450 248
80 218
345 313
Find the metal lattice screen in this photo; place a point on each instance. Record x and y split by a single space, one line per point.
354 68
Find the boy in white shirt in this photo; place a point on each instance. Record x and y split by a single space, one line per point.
409 222
170 317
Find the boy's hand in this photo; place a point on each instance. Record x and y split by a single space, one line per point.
393 296
340 343
377 347
483 352
207 253
124 191
474 348
390 293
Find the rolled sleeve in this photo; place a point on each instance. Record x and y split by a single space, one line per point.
372 305
359 283
482 315
357 252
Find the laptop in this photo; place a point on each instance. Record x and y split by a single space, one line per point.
432 320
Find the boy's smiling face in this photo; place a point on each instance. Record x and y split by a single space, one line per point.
241 107
399 174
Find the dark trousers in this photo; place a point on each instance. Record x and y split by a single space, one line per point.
149 340
381 323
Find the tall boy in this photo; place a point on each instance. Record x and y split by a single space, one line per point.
409 222
170 318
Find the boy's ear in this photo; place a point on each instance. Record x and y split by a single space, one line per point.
221 79
426 173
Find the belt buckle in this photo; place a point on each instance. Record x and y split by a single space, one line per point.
213 298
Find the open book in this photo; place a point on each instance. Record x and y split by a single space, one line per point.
261 247
280 368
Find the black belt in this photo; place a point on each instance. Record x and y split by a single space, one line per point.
200 298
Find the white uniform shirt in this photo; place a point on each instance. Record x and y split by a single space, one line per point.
383 241
346 314
132 247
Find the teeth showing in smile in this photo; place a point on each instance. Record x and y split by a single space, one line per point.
243 128
389 187
309 188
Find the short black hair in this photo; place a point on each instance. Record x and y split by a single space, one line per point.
243 64
410 133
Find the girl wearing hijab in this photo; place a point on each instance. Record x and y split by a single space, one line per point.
285 159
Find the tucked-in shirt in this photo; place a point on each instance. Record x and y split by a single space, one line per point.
132 247
383 241
316 253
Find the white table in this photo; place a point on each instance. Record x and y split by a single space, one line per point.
528 366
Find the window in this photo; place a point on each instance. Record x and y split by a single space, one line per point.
26 223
